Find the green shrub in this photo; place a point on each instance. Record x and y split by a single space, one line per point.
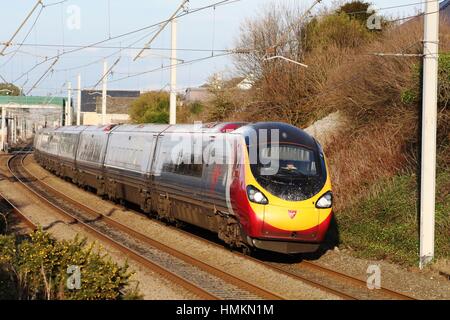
409 96
196 108
8 89
414 94
37 269
151 107
356 10
337 30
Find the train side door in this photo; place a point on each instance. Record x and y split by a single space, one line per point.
215 174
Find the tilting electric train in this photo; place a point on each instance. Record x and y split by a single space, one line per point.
257 186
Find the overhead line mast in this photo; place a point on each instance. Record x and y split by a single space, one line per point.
429 128
174 60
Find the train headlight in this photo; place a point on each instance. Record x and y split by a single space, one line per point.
254 195
326 201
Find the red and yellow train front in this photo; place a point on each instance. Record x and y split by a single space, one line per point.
285 205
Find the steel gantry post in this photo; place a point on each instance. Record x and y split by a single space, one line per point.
429 125
79 100
69 104
173 75
104 91
3 127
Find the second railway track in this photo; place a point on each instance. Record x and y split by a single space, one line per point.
204 280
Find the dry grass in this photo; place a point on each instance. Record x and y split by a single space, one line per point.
384 137
374 160
381 139
358 161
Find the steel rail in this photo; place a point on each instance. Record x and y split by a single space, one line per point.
356 281
17 212
127 251
306 264
243 284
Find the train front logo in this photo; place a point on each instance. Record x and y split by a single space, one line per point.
292 213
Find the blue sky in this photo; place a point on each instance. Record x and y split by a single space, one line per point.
207 29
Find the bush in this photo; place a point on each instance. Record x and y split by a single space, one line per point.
284 91
37 269
151 107
338 30
356 10
8 89
191 112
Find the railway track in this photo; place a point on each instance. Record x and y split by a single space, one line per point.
362 284
7 207
200 278
331 281
340 284
337 283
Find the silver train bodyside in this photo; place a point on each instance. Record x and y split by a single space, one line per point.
131 163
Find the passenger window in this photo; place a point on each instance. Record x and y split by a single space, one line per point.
185 163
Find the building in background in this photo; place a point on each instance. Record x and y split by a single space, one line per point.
118 103
201 94
22 116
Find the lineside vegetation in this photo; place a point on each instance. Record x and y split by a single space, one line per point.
375 160
36 268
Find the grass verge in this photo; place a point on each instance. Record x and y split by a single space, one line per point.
384 225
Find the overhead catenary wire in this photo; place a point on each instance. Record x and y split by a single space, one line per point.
243 50
104 57
54 3
131 47
170 66
163 26
43 76
13 54
184 13
384 8
107 73
38 3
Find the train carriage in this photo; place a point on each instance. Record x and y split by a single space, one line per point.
219 177
128 162
90 157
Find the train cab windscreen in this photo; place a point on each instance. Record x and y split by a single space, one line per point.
290 172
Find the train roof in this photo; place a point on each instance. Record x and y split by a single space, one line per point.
154 128
287 133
